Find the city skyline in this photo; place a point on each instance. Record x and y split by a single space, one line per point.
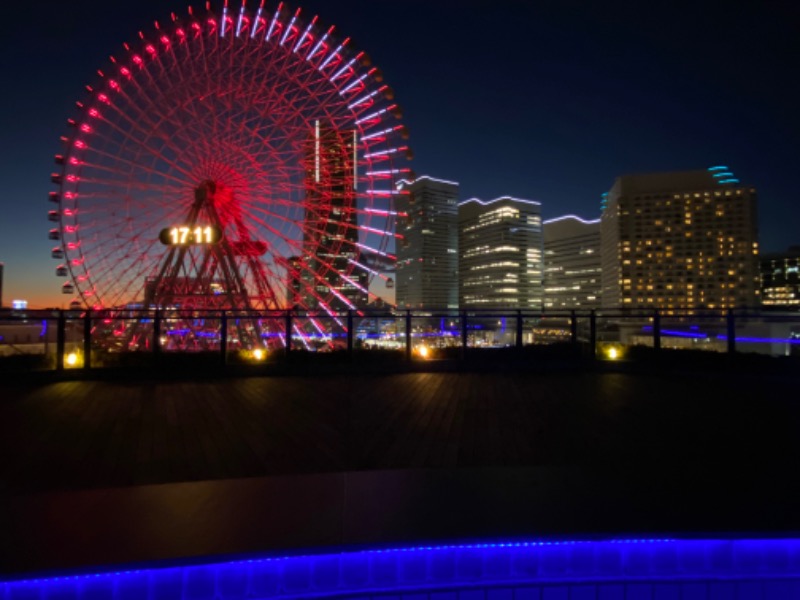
542 102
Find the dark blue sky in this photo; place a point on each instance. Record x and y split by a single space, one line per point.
542 100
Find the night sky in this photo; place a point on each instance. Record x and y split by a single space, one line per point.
548 101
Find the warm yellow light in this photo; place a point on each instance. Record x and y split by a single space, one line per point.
424 351
613 353
72 359
259 354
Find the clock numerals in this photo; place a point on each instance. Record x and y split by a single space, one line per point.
184 236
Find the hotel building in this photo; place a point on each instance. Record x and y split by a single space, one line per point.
427 245
572 268
780 279
681 240
500 254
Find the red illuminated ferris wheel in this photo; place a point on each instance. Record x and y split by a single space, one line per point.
243 159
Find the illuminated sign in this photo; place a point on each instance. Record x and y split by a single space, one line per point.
183 235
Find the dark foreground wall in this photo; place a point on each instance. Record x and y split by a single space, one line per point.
102 475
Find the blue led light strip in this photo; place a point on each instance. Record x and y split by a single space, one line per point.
565 564
762 340
671 333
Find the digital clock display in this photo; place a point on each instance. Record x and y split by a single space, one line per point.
184 235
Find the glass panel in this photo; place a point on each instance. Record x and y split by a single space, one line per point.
435 335
319 333
193 334
491 330
693 332
254 338
74 325
551 330
379 332
618 333
776 334
27 340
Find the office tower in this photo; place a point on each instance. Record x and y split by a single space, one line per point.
427 246
331 222
682 240
571 263
780 279
500 253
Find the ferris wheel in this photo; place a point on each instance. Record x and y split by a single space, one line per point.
244 159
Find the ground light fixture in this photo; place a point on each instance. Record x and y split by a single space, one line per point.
612 351
73 359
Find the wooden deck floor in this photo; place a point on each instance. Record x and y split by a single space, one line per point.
91 434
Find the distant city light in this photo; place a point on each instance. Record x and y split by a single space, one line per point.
19 304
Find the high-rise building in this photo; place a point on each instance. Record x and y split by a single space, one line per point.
427 245
500 253
681 240
294 286
331 222
780 279
571 263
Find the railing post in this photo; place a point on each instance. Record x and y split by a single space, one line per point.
288 334
731 326
61 336
463 334
519 330
593 334
350 333
223 341
408 335
656 330
573 328
157 336
87 339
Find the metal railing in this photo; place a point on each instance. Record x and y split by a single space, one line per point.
66 339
